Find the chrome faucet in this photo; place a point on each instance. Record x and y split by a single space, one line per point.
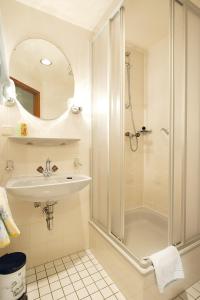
48 171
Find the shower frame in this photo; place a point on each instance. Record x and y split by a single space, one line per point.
182 243
184 246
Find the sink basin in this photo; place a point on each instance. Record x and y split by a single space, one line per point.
40 188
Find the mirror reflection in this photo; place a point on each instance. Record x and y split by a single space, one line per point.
43 77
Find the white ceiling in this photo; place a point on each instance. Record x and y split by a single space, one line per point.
83 13
147 21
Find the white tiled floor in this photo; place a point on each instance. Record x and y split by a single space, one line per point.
73 277
190 294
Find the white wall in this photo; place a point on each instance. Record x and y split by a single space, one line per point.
71 214
134 161
156 144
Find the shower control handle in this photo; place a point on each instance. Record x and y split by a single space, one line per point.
129 134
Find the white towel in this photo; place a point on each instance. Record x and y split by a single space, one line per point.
6 216
168 266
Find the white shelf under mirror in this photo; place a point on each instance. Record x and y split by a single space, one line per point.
43 141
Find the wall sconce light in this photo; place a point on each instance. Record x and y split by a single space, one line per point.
75 109
9 93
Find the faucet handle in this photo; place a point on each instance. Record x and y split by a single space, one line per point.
40 169
54 168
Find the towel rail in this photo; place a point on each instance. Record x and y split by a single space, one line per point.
146 261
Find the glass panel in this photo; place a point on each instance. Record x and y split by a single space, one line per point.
100 107
193 127
146 134
116 128
179 122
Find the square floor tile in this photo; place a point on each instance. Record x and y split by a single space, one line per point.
68 265
44 290
69 289
92 288
47 297
111 298
106 292
74 256
84 274
74 277
55 286
31 279
65 281
78 285
77 261
42 282
53 278
92 270
40 268
66 259
72 296
108 280
96 276
94 261
82 253
33 295
57 294
97 296
51 271
80 267
85 258
41 275
103 273
49 265
32 286
62 274
82 293
101 284
58 262
88 264
99 267
71 270
60 268
88 280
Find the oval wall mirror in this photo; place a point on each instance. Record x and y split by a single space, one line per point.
43 78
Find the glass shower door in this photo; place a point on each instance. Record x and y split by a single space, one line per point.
116 128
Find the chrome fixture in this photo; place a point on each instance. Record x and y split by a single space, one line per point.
75 109
9 165
48 210
133 137
165 130
77 162
48 171
143 130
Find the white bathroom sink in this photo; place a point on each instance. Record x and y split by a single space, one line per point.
40 188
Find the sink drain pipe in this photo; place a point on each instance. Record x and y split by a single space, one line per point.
48 210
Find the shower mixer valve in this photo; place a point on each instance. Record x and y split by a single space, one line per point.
129 134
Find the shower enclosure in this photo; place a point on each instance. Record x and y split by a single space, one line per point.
145 127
